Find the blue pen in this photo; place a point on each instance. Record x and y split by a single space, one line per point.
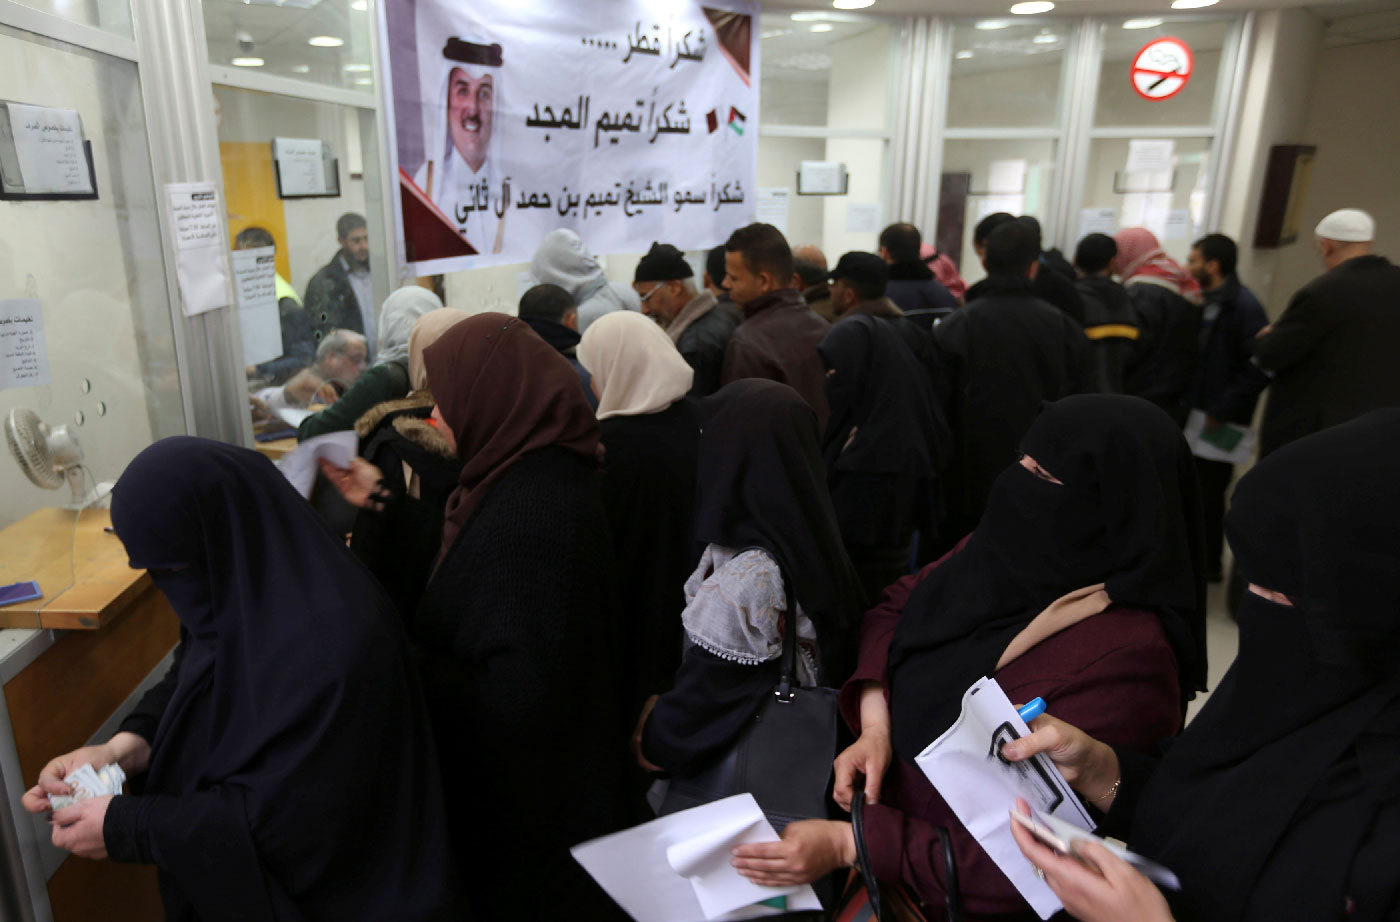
1032 710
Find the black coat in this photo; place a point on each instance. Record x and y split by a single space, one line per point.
330 299
1168 351
1111 326
649 495
1333 351
1049 286
520 639
912 287
702 345
1001 358
1228 384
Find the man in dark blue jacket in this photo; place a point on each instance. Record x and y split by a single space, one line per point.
1228 383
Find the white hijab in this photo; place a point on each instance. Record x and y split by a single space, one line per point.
396 319
634 365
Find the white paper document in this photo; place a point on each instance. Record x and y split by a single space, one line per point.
24 355
200 264
863 218
1097 221
1150 156
966 766
773 207
676 868
299 465
1228 442
49 147
1179 224
301 165
255 283
821 177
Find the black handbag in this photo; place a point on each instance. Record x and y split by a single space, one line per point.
867 900
783 757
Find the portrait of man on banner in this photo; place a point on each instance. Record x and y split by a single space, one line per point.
459 174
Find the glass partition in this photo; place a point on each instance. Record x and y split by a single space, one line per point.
108 15
1005 74
90 273
325 42
1119 103
1015 176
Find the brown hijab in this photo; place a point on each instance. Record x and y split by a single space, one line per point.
504 392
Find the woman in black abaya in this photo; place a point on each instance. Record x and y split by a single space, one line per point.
1282 798
288 769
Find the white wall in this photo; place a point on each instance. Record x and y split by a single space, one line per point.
1352 119
859 97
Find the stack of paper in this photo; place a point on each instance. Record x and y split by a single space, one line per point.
299 465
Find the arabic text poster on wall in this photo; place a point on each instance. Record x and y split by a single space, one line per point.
629 121
863 218
773 206
196 216
24 355
255 286
49 150
304 168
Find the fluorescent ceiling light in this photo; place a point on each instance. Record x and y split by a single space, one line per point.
988 25
825 17
301 68
1031 7
248 62
775 33
1192 4
325 41
1142 23
360 6
356 68
1045 38
852 4
364 81
964 55
822 27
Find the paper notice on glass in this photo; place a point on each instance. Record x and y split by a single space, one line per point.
255 285
676 868
821 177
1097 221
49 147
1179 224
301 166
773 207
966 766
1006 177
992 204
863 218
24 355
299 465
1225 442
200 262
1146 156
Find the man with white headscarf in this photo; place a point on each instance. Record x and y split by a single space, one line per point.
459 175
562 260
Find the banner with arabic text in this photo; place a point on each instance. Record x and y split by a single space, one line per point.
629 121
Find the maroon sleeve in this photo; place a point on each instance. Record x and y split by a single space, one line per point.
1113 676
876 632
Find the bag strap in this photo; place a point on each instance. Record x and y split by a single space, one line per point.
787 668
952 891
872 886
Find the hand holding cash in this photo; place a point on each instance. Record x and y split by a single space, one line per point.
87 782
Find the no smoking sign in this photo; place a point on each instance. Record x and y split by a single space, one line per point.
1162 68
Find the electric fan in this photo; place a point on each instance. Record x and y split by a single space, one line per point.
50 457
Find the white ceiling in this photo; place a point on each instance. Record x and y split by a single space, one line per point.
1063 7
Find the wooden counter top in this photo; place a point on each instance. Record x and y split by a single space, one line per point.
82 571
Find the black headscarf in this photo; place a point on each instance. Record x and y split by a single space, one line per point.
762 484
1304 726
293 763
880 390
1127 514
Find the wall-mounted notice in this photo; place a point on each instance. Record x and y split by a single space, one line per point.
1097 221
863 218
48 147
197 218
255 284
1150 155
1179 224
773 207
304 168
821 177
24 356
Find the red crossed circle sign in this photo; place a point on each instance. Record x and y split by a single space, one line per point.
1162 68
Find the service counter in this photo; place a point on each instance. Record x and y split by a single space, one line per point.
72 664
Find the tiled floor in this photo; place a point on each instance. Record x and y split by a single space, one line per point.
1222 641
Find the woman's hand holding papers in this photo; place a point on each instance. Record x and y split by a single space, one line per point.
1090 767
809 850
356 483
1094 884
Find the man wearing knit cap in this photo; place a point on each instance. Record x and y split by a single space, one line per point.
1332 353
700 330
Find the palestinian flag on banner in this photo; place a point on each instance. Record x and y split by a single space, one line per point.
736 120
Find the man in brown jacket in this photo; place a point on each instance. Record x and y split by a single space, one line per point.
779 336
